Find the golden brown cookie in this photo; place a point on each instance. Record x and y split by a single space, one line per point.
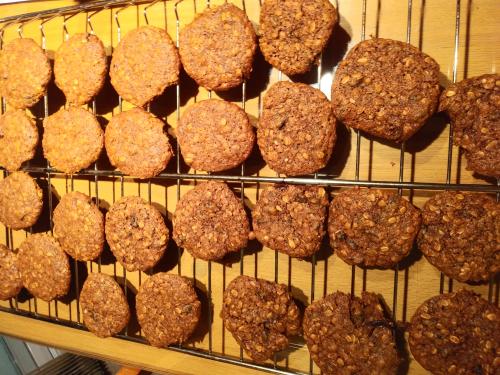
10 278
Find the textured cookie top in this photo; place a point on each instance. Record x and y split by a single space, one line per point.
293 33
460 235
386 88
218 47
260 315
296 131
10 278
215 135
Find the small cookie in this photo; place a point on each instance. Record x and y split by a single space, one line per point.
215 135
136 233
291 219
351 335
456 333
18 139
168 309
136 143
144 63
372 227
294 33
21 201
105 309
386 88
44 267
24 71
80 68
10 278
79 226
296 131
218 47
460 235
209 221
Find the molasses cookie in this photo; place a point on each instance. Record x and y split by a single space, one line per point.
10 278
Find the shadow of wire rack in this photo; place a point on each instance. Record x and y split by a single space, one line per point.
102 180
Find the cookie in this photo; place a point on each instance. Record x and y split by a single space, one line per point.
18 139
10 278
351 335
372 227
291 219
215 135
261 316
386 88
210 222
293 33
105 309
44 267
79 226
460 235
21 201
72 139
80 68
168 309
144 63
218 47
25 73
296 131
136 143
456 333
136 233
474 108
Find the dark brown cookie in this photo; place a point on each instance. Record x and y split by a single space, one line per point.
136 143
215 135
291 219
386 88
79 226
456 333
351 335
136 233
105 309
460 235
209 221
168 309
260 315
294 33
296 131
144 63
372 227
24 71
21 201
474 108
10 278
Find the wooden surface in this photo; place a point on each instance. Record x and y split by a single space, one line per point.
432 28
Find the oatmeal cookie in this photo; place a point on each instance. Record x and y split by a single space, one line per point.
10 278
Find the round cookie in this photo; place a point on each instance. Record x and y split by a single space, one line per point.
136 143
136 233
456 333
351 335
10 278
386 88
21 201
218 47
144 63
210 222
79 226
24 71
44 267
296 131
215 135
460 235
474 108
260 315
291 219
372 227
294 33
80 67
168 309
105 309
18 139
